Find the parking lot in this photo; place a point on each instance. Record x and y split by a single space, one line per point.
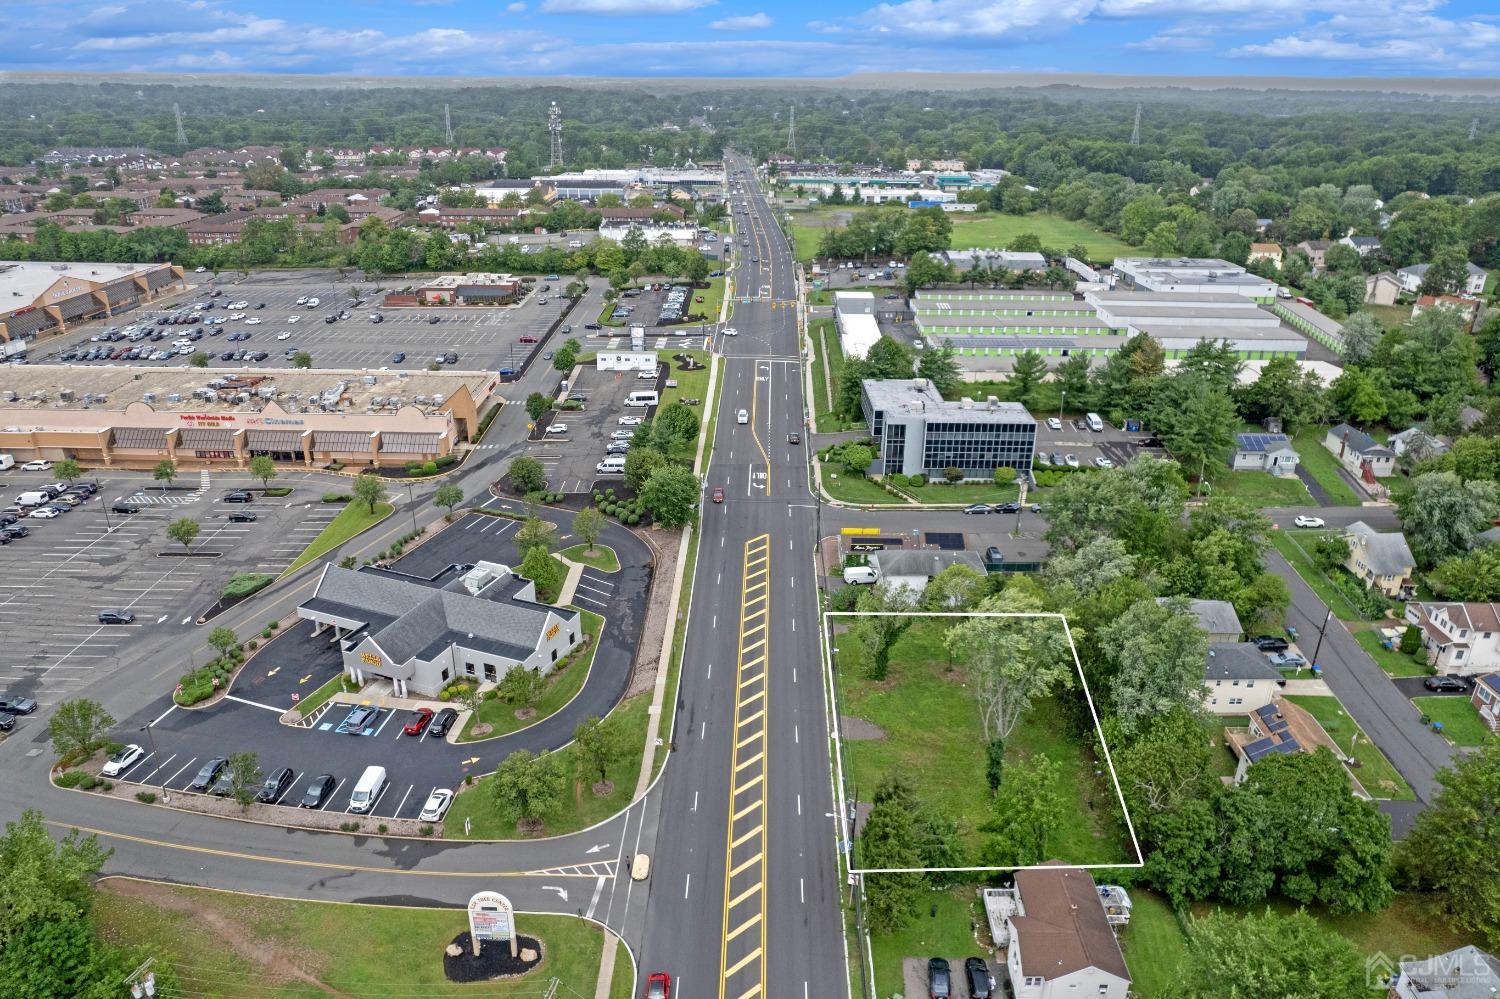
661 306
1075 438
56 580
570 459
297 662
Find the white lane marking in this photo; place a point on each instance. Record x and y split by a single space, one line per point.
594 902
157 720
403 800
161 619
686 885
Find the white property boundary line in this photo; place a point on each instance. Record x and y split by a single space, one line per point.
838 745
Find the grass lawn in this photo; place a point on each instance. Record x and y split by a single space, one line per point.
1393 662
352 519
602 557
561 686
690 384
1390 316
1460 720
1259 489
1374 771
964 492
1224 761
351 949
1043 401
319 697
1298 556
1055 232
945 760
713 299
1153 944
1324 467
622 984
855 488
809 225
949 934
580 808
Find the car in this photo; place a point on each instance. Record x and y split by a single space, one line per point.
592 326
743 416
1303 520
284 336
567 329
116 617
618 447
1288 659
330 319
794 438
577 397
253 321
260 305
547 356
978 973
238 496
318 790
436 805
731 331
1053 423
46 513
7 723
1103 462
1011 507
17 705
199 270
377 318
622 435
357 720
1446 684
36 465
416 724
450 358
631 421
1042 459
718 494
558 428
1071 460
17 531
302 300
207 774
314 302
939 985
659 986
1149 442
431 320
1270 643
236 316
441 723
293 319
241 517
526 339
645 376
122 761
398 357
228 355
275 786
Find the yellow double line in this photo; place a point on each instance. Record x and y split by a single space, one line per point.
743 951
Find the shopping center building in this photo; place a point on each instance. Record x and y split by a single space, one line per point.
38 297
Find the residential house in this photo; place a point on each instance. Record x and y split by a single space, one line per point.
1465 973
1486 700
1315 250
1266 251
1062 945
1459 638
1380 561
1411 278
1467 308
1238 679
1264 453
1363 245
1360 453
914 568
1414 444
1216 618
1278 727
1382 289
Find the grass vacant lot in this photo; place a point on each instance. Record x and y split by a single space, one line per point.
1374 771
949 934
1153 944
1390 316
1460 719
1259 489
344 949
581 808
849 488
352 519
1324 467
1043 401
932 735
827 351
561 686
690 384
1287 544
1393 662
602 557
1057 233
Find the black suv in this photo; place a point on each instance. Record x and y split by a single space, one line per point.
978 974
441 723
275 786
939 986
1270 643
116 617
124 508
239 496
241 517
207 774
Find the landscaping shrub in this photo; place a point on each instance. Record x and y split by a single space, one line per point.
598 498
145 797
242 584
443 695
272 626
265 633
425 830
447 460
1411 639
73 778
348 826
279 491
255 644
430 468
341 497
382 827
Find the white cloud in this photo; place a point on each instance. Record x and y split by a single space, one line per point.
623 6
1423 41
515 8
742 22
991 20
1168 41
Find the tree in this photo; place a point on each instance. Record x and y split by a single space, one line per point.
536 533
888 359
890 606
302 359
1085 506
1290 955
263 468
855 457
1197 421
890 839
1026 374
940 368
1442 516
527 475
671 494
68 471
521 686
1474 576
222 639
528 785
244 777
1072 377
566 356
1454 848
184 530
588 524
1362 331
956 588
1158 652
164 472
541 568
675 426
1011 662
199 359
370 490
1029 810
598 744
1356 396
78 727
1091 567
536 405
448 495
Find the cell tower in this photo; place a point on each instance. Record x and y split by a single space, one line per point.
181 132
1473 129
448 126
1135 133
791 132
554 128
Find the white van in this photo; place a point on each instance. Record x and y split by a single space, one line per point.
367 791
642 399
35 497
7 461
855 574
1095 424
613 465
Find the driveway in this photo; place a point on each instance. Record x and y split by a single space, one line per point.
1314 488
1411 686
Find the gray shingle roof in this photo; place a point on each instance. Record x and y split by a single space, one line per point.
1217 617
1237 661
914 562
1388 554
1358 441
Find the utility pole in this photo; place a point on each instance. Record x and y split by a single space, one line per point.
181 132
1135 133
448 126
142 981
554 130
791 132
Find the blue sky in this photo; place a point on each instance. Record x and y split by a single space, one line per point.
758 37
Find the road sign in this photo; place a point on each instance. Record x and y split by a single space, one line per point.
491 917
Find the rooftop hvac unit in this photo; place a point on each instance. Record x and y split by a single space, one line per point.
174 397
10 395
66 395
368 379
266 392
88 398
101 398
377 401
420 400
242 398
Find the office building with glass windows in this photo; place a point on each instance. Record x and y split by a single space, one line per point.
918 432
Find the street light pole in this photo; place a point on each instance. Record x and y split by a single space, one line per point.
151 741
1062 397
411 501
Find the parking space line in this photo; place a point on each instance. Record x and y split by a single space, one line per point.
403 800
179 773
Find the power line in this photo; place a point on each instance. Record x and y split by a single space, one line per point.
554 130
1135 133
448 126
791 132
181 132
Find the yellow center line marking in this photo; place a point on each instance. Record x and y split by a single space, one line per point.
740 868
750 762
743 927
742 962
753 718
736 901
753 990
744 812
753 782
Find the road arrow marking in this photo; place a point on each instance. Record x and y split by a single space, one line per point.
273 672
305 678
471 760
161 619
597 847
562 893
186 620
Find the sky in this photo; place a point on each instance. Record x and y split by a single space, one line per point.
750 38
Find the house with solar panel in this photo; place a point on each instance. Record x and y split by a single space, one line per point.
1279 727
1271 453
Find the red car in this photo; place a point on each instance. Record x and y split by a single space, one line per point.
527 339
718 494
418 721
659 986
